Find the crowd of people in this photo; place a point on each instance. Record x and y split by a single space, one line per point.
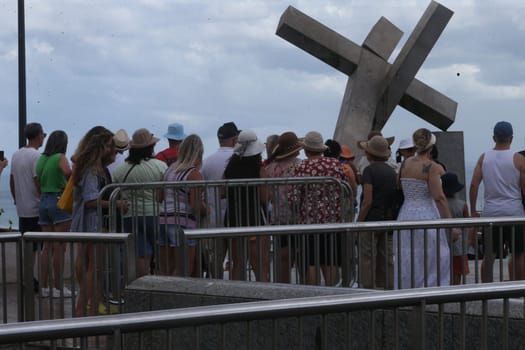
414 186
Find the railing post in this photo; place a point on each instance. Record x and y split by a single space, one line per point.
28 299
20 278
347 258
131 260
184 256
488 255
417 326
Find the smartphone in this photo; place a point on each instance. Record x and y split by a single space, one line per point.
1 155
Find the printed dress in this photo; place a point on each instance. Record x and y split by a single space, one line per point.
318 204
419 205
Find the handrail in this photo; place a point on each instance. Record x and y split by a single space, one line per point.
349 227
106 325
10 237
266 180
77 237
115 189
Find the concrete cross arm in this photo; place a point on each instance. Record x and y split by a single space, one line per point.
436 108
410 59
318 40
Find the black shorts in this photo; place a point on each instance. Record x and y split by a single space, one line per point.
328 246
30 225
506 234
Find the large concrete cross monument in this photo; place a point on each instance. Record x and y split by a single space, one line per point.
375 87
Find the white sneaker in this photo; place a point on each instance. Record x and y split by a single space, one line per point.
45 292
67 292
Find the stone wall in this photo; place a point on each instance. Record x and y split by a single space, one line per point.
356 330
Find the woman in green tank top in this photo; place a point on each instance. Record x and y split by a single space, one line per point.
52 172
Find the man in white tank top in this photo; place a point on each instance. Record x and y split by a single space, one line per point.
503 174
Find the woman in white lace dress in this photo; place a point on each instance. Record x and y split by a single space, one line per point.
424 199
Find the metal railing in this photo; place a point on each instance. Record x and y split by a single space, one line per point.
91 272
11 293
437 318
422 232
230 203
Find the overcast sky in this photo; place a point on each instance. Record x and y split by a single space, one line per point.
146 63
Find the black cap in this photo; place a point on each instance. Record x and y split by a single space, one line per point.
227 130
451 184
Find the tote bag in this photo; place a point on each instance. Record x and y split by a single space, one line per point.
65 203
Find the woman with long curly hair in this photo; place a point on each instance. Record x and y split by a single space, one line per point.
95 152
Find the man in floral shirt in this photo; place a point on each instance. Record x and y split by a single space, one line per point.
319 203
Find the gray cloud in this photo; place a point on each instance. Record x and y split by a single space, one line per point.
146 63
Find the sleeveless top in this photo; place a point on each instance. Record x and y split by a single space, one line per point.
501 181
50 176
176 208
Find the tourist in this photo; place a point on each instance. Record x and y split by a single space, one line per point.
285 158
271 143
23 182
53 170
141 218
458 209
95 151
379 181
182 208
424 199
175 135
334 151
3 163
347 158
213 169
502 172
121 140
405 150
319 204
362 162
247 206
435 157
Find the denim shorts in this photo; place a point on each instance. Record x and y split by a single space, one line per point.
170 235
49 212
143 229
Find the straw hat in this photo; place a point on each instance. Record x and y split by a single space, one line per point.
142 138
313 142
377 146
287 144
121 140
373 133
248 144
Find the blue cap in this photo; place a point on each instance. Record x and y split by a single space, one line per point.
503 130
175 132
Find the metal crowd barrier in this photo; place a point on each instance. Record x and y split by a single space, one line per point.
11 271
86 274
435 318
423 233
232 203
